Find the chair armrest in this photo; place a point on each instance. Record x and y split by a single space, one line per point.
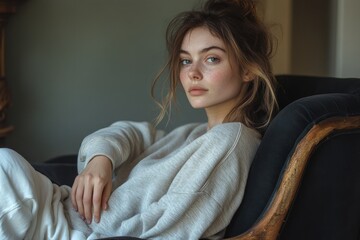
269 225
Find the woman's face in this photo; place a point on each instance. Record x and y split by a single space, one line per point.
208 73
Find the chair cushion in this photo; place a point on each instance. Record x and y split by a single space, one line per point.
60 170
292 87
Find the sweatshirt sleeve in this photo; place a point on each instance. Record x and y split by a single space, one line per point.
201 199
119 142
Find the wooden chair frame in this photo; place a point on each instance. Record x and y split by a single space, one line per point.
269 226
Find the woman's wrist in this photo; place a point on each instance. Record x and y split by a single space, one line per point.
102 160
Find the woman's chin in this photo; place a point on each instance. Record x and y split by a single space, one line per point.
197 106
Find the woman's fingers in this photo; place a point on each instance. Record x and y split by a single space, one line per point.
90 194
87 200
73 194
92 188
97 199
79 197
106 196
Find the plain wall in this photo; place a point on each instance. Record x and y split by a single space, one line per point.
76 66
277 15
311 37
325 38
345 32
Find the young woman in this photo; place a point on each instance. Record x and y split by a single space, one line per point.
137 181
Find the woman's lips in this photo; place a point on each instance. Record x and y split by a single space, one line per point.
197 91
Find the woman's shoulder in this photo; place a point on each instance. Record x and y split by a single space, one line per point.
189 128
233 130
193 125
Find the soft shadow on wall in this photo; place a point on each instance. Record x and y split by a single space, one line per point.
76 66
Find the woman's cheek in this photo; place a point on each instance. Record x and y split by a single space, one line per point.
182 78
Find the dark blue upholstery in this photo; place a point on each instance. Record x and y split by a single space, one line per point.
61 170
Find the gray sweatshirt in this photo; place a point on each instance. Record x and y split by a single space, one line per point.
183 185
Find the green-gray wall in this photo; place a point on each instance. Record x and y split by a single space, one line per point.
75 66
78 65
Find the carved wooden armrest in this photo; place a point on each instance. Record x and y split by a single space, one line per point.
269 225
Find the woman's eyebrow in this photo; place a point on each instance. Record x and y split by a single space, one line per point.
205 49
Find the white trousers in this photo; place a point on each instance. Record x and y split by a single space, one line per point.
31 206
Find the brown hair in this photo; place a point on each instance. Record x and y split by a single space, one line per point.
236 23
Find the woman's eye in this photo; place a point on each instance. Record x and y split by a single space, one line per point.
185 61
213 60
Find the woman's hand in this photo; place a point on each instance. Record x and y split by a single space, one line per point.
92 188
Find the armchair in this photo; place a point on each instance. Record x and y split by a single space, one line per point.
304 181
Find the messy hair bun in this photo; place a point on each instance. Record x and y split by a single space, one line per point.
242 8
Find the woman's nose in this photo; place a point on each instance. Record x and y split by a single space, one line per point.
195 73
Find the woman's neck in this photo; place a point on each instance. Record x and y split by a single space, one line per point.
216 114
215 118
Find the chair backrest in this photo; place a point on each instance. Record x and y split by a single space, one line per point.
303 102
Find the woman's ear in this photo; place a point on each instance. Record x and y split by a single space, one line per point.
248 76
